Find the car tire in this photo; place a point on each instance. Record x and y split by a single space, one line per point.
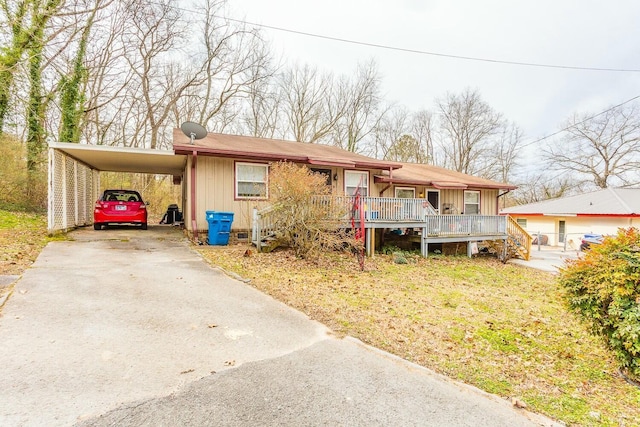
97 226
144 225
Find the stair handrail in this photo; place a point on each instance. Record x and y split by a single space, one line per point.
262 225
521 236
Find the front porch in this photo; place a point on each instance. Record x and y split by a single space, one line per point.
427 225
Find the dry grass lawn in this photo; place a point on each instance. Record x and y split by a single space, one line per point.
502 328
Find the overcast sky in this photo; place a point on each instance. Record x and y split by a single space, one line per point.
585 33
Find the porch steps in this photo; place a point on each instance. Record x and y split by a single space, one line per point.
518 241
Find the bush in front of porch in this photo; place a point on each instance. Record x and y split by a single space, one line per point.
306 227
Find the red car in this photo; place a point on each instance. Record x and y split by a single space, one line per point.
120 207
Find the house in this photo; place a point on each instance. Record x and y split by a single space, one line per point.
563 221
229 173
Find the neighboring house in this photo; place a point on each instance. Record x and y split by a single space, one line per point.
563 221
230 173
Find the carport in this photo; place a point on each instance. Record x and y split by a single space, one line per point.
74 177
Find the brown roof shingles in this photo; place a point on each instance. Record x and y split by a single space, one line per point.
251 148
429 175
247 147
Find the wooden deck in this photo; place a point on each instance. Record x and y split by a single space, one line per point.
416 214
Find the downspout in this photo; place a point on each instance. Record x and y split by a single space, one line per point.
194 222
498 201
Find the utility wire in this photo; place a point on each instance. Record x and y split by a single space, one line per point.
579 123
438 54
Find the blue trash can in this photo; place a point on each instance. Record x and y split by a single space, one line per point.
219 227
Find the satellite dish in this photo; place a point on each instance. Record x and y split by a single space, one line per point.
193 130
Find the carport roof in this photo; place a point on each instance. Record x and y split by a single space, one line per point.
124 159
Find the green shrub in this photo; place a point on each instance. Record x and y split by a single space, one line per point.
604 288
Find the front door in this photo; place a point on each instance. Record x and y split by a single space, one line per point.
434 198
561 231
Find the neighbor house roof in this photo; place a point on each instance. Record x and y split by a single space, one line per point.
251 148
441 178
607 202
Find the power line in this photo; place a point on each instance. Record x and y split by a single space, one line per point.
438 54
579 123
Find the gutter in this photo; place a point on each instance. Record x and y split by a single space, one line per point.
498 200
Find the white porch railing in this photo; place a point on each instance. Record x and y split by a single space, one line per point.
466 225
395 212
384 209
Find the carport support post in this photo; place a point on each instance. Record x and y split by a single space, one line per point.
194 222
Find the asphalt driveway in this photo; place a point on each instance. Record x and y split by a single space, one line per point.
131 327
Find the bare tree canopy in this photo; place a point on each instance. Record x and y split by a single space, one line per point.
467 126
603 150
311 103
362 108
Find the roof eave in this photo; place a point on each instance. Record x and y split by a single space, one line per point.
346 163
387 180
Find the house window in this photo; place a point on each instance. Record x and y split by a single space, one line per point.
355 179
471 202
326 173
251 180
405 193
522 222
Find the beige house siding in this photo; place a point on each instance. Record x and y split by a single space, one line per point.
575 227
215 181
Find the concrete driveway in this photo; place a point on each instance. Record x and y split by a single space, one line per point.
547 258
131 327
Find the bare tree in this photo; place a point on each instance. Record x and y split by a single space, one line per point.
502 157
155 30
361 113
261 115
236 62
312 106
423 129
603 150
467 126
389 130
539 187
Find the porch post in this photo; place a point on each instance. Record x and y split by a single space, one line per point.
368 244
424 243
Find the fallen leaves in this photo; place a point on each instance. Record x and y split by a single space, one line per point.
22 237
